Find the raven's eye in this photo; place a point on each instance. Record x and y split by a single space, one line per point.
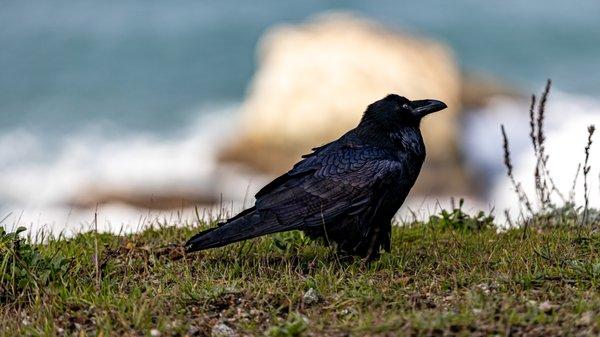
405 106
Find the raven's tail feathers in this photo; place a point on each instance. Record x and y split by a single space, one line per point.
245 225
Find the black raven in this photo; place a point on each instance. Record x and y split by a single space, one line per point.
346 191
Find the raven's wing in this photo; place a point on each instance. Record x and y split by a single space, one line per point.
303 167
334 182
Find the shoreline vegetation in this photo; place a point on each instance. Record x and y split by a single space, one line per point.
453 274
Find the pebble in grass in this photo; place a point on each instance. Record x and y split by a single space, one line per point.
586 318
310 297
547 307
222 330
193 330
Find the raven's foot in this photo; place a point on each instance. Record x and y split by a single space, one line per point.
344 256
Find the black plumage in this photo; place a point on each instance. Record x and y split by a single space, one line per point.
346 191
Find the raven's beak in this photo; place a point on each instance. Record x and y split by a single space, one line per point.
424 107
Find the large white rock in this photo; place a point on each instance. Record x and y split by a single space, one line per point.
314 81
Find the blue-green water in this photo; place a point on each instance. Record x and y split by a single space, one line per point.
147 65
117 91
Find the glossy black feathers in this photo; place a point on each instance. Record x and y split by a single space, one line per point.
347 191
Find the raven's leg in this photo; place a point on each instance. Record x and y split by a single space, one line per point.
375 244
376 228
386 236
380 238
332 237
346 234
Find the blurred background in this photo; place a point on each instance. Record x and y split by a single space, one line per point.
147 110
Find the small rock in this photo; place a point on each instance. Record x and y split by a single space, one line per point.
193 330
348 312
586 318
486 288
547 307
174 324
222 330
310 297
155 333
231 290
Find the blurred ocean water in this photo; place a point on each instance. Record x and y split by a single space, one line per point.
131 92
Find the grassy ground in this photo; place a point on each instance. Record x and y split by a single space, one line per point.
439 279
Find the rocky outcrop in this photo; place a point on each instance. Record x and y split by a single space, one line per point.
314 81
162 200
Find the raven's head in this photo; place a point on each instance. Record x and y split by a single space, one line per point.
398 111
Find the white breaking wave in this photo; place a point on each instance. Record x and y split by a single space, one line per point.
35 188
141 161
